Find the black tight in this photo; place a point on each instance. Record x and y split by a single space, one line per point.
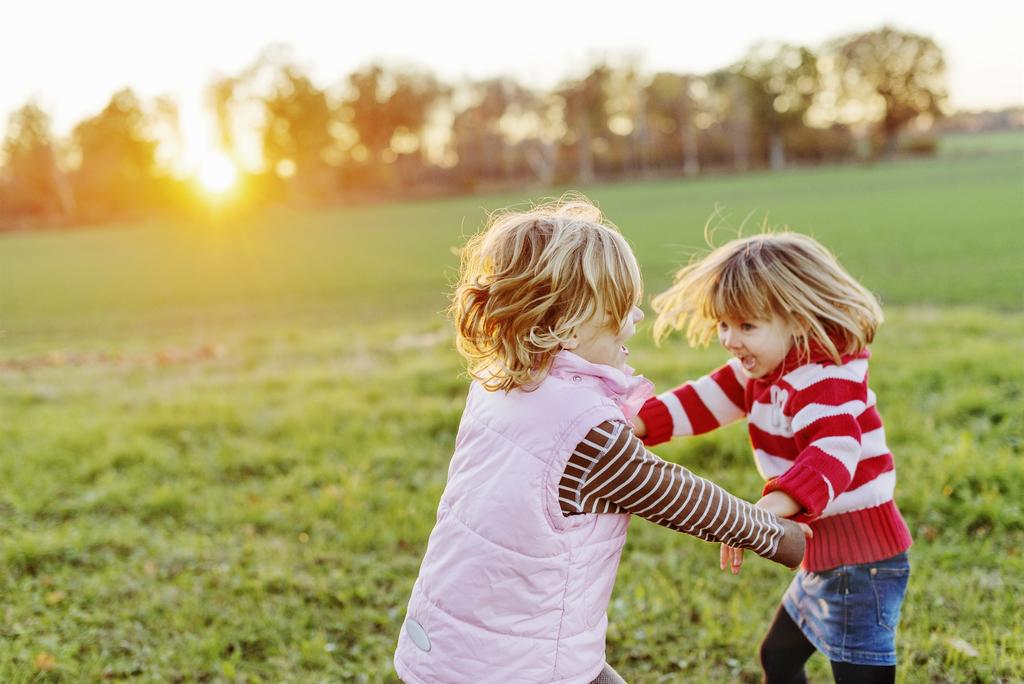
785 650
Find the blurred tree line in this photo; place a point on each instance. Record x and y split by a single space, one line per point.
395 132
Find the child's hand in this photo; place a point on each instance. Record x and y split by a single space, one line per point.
732 556
777 502
639 429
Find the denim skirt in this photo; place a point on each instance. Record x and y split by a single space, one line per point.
850 613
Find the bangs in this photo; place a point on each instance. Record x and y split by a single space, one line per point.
755 278
738 293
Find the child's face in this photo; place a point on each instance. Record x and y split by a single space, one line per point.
601 342
760 344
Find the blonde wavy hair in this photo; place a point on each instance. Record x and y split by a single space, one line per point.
782 273
530 279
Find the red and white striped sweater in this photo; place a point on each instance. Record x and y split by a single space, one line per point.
817 436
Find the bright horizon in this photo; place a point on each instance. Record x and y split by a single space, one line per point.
177 49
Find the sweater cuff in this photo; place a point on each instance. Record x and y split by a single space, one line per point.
657 420
806 485
792 545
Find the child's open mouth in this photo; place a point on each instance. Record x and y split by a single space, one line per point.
748 362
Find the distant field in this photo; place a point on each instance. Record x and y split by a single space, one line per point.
999 142
221 447
941 231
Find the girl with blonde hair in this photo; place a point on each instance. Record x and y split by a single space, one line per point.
520 565
798 327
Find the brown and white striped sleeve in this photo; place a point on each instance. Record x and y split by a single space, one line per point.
611 471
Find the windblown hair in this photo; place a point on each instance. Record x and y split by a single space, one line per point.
786 274
530 279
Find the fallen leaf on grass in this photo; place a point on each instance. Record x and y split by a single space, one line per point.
962 647
45 662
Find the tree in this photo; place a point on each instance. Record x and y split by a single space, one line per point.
272 115
383 104
671 110
31 183
164 124
781 82
586 116
904 72
116 170
223 96
729 107
477 135
536 128
296 135
626 111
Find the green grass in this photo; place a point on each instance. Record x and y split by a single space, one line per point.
997 142
229 471
937 232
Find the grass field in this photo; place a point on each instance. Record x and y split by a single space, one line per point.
222 444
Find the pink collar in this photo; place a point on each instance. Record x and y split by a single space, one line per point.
628 390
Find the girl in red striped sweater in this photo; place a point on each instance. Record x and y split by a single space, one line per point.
797 326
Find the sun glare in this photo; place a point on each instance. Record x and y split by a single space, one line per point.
217 173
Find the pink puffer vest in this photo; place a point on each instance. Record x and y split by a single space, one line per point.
510 590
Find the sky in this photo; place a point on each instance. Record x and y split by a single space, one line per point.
70 56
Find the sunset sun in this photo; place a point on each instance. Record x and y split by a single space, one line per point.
217 173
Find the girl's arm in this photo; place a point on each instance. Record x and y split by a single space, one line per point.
612 472
695 407
827 431
777 502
